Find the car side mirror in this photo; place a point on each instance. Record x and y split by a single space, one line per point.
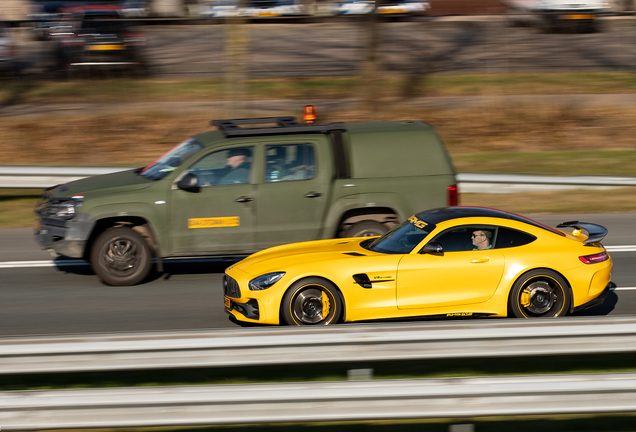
432 247
189 182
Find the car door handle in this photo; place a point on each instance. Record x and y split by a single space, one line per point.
480 261
244 199
313 195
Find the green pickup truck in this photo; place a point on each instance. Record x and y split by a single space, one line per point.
249 185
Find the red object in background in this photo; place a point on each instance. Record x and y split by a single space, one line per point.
453 196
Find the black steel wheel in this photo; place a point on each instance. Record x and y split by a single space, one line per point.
121 257
539 294
366 228
312 301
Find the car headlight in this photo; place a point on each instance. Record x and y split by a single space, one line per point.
265 281
66 209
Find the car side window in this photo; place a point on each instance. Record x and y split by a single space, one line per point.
508 237
224 167
467 238
288 162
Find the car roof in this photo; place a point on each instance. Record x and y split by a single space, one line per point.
436 216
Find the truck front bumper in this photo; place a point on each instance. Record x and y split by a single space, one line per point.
64 237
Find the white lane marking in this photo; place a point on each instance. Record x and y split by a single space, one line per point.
623 289
79 262
63 263
620 248
28 264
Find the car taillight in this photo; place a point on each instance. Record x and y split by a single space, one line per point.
453 196
135 39
596 258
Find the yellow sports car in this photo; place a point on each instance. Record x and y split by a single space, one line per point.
449 262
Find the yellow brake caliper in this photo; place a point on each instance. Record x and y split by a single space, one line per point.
325 305
525 298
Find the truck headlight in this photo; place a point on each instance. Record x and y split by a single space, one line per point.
66 209
265 281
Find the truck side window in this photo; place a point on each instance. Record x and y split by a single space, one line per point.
287 162
225 167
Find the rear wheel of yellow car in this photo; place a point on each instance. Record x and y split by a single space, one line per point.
311 301
539 294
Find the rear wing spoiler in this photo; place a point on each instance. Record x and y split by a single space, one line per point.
595 233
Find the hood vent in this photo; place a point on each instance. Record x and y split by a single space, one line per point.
354 254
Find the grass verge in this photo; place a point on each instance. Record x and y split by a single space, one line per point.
149 90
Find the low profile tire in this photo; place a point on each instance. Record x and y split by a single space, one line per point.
366 229
311 301
121 257
539 294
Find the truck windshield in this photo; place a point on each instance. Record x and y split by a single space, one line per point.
401 239
171 160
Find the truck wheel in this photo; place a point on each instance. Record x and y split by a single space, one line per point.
121 257
365 229
311 301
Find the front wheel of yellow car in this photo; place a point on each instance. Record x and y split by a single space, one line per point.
311 301
539 294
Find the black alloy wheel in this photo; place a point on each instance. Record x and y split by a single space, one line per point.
121 257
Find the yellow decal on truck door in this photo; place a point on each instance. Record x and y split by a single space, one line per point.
217 222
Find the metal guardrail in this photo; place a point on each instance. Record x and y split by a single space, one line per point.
34 177
319 401
344 343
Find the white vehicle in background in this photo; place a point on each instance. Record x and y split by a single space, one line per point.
251 8
556 14
134 8
272 8
219 9
8 50
404 7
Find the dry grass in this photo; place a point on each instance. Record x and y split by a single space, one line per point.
621 199
478 139
544 139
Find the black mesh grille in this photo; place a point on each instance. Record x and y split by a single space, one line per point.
230 287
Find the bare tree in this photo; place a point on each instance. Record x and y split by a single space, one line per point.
236 59
372 63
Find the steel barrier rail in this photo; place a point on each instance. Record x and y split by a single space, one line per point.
319 401
259 346
21 177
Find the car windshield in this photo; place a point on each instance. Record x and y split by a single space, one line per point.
171 160
401 239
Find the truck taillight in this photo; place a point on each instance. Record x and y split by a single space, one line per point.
453 196
596 258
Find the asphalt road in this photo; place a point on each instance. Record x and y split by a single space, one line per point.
41 298
408 48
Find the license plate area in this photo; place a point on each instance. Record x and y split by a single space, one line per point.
228 303
105 47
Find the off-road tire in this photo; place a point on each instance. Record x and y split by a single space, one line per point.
121 257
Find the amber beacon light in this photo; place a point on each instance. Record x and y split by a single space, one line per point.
309 113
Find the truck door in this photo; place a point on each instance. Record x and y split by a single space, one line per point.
295 189
218 216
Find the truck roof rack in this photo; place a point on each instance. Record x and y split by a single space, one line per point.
284 125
